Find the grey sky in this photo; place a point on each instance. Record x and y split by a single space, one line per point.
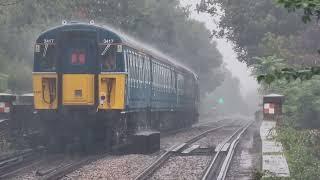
238 69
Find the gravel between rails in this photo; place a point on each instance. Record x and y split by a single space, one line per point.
215 138
193 167
183 136
45 164
113 167
125 166
129 166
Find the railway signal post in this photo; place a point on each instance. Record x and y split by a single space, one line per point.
272 107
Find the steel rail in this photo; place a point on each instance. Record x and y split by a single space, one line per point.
227 161
209 170
163 158
10 165
4 127
195 126
61 171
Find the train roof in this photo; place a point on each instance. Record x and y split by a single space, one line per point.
122 38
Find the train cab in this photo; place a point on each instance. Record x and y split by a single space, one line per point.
70 61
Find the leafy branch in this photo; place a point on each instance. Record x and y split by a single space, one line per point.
289 74
310 7
8 3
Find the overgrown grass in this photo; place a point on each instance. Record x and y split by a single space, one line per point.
301 151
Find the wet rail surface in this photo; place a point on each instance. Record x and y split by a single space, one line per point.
177 148
180 163
3 128
167 166
220 163
16 162
88 167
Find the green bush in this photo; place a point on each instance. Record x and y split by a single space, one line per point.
301 151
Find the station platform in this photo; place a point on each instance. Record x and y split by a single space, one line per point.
274 163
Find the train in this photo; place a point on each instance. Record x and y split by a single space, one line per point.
93 85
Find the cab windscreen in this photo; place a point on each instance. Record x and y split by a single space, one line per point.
78 52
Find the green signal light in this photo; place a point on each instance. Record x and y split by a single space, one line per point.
221 101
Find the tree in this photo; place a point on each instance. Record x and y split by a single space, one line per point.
162 24
246 23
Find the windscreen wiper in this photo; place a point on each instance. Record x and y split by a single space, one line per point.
105 49
46 46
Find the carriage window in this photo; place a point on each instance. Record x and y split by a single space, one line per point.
46 56
144 70
138 68
172 81
169 81
165 79
157 74
153 73
108 53
134 64
128 63
162 78
141 73
148 70
130 68
154 68
126 56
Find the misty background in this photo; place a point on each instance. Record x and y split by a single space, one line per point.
172 27
238 75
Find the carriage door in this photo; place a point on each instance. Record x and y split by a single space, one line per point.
79 66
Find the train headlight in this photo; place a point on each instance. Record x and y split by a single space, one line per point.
102 98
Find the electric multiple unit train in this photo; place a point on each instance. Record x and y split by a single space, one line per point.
94 85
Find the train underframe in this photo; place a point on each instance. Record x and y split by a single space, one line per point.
74 130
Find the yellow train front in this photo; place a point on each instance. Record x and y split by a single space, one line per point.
95 87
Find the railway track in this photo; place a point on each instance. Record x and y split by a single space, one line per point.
195 126
3 128
215 163
174 149
12 164
62 170
220 162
